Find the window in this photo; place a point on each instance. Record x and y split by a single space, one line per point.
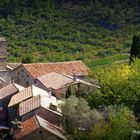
40 132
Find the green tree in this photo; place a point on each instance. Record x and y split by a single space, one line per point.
119 84
77 107
114 122
120 125
27 59
78 119
135 48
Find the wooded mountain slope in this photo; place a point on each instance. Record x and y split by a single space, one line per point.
62 30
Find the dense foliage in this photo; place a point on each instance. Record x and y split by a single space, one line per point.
107 123
61 30
109 113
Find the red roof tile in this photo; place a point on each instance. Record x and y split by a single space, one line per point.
21 96
29 105
59 80
67 68
27 126
36 102
27 93
33 123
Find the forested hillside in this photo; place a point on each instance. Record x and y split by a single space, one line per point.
62 30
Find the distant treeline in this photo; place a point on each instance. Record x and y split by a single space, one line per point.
11 7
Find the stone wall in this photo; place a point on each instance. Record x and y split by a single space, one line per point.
41 134
21 77
40 85
5 78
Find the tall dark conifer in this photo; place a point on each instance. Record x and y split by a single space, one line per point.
135 48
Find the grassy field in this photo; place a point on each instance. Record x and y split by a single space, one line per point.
116 58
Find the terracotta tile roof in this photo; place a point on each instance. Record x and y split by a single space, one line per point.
67 68
36 102
55 80
29 105
21 96
8 90
50 127
33 123
60 80
27 93
28 126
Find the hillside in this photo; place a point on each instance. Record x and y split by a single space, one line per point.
62 30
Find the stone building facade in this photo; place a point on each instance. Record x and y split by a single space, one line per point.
36 128
21 76
26 74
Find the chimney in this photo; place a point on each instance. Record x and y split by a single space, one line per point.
16 124
50 93
74 76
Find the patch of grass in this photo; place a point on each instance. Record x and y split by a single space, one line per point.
116 58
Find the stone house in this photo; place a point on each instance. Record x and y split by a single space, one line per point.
5 95
26 94
58 84
41 106
55 83
26 74
36 128
7 92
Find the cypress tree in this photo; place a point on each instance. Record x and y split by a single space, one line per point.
135 48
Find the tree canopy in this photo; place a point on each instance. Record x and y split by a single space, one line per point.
114 122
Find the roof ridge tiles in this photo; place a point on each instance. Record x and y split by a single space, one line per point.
53 62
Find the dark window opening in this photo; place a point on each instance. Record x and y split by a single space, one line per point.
40 132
